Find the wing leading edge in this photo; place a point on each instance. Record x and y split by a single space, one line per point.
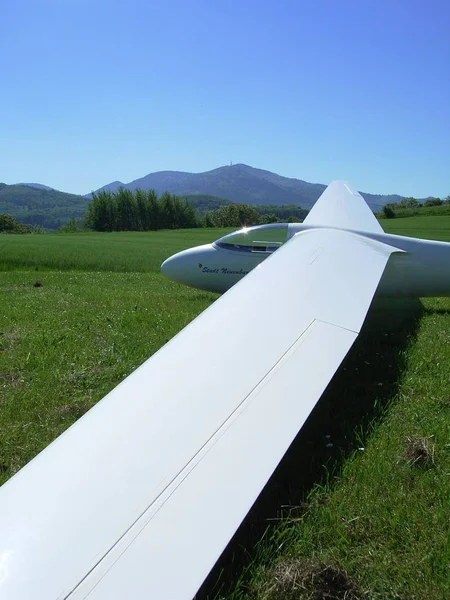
142 494
342 206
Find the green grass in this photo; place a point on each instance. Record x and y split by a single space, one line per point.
64 345
430 228
120 252
375 518
144 252
422 211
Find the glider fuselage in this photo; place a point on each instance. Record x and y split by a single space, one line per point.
422 269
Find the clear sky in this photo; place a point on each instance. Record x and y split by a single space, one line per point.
100 90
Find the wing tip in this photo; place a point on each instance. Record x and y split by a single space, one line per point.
343 185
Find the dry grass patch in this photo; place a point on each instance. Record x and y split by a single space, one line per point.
8 339
298 579
10 378
419 451
75 410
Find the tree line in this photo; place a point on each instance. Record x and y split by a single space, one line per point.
407 206
140 210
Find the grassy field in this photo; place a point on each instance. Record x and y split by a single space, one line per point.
144 252
358 508
430 228
124 252
423 211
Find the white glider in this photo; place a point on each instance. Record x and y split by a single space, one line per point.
422 269
139 498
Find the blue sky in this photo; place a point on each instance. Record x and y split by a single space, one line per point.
99 90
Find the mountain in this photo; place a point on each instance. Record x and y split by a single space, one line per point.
240 183
38 204
42 206
38 186
113 187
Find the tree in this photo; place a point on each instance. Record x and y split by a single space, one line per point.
235 215
101 214
189 218
208 220
433 202
388 211
127 212
167 208
142 217
9 225
408 203
154 210
248 215
282 212
70 227
227 216
269 218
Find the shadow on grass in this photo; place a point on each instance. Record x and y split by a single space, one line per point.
355 400
437 311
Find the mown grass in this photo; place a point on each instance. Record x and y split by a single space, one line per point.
332 514
65 344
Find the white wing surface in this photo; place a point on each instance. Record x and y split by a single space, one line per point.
139 498
341 206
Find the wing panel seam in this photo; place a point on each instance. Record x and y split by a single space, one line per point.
339 326
194 461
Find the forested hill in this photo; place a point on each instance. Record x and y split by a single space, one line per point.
243 184
204 203
41 206
37 204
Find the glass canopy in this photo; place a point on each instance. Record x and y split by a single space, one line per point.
262 238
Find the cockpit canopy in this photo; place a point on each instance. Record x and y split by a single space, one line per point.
261 238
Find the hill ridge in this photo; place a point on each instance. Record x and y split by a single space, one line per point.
241 183
39 204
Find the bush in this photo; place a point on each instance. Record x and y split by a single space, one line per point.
388 212
9 225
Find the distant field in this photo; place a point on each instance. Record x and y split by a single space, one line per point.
143 252
356 513
423 211
430 228
139 252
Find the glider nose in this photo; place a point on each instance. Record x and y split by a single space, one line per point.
186 266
